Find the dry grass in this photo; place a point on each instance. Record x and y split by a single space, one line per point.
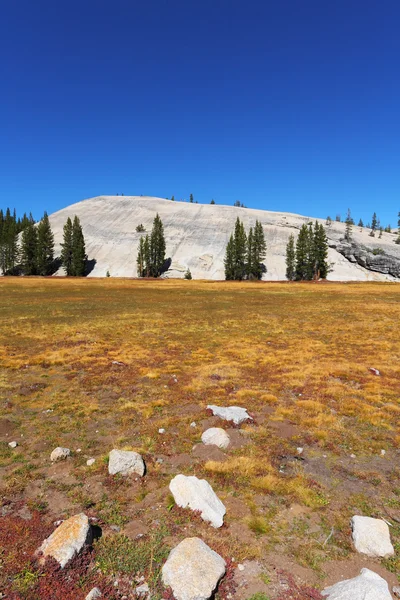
297 356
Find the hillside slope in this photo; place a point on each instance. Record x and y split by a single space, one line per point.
196 237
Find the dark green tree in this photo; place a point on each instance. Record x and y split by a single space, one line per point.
140 261
229 261
67 247
321 267
259 249
240 246
360 223
349 226
191 198
29 249
290 259
328 222
45 247
157 248
78 265
212 201
302 245
187 274
374 224
250 255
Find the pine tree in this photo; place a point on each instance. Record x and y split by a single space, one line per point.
240 243
191 198
140 259
380 232
8 241
373 225
45 247
349 226
66 252
229 261
212 201
301 271
328 221
173 198
157 247
146 251
311 253
321 252
360 223
250 255
187 274
29 249
259 250
78 262
290 259
338 219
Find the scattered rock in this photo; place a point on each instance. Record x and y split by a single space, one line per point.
90 462
371 536
162 430
198 494
13 444
125 462
230 413
142 590
193 570
374 371
300 450
60 454
93 594
215 436
68 539
193 424
366 586
383 452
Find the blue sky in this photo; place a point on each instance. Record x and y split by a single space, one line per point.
287 105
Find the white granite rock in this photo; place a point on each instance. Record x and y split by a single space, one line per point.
60 454
90 462
68 539
198 494
371 536
125 462
193 570
216 436
13 444
230 413
366 586
93 594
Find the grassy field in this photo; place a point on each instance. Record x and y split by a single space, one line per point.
94 365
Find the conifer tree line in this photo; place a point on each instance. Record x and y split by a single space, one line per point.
32 252
306 257
245 253
151 254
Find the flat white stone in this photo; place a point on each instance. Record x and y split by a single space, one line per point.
230 413
93 594
215 436
90 462
13 444
371 536
125 462
193 570
60 453
198 494
366 586
68 539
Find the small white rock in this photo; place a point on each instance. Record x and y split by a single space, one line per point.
193 424
371 536
241 567
300 450
90 462
383 452
161 430
230 413
142 590
125 462
93 594
367 586
198 494
13 444
60 453
78 450
216 436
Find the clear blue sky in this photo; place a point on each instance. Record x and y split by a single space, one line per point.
287 105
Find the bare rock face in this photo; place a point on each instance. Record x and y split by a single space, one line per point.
193 570
371 536
230 413
216 436
367 586
125 462
60 454
373 259
198 494
68 539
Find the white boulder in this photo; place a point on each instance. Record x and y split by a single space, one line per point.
13 444
125 462
371 536
366 586
198 494
230 413
68 539
60 454
93 594
216 436
193 570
